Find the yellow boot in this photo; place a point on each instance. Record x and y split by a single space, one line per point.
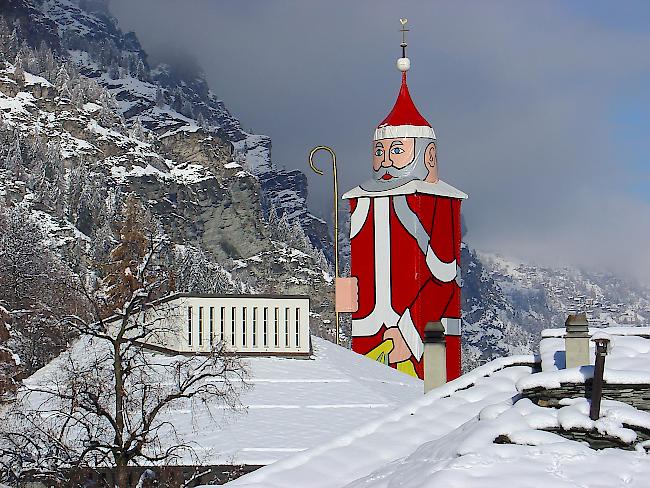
380 353
407 367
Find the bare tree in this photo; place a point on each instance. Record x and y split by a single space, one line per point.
106 403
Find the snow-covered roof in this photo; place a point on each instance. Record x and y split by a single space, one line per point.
396 434
299 404
293 404
627 362
477 431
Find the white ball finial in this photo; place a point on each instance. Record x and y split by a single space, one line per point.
403 64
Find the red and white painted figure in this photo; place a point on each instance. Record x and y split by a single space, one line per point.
405 246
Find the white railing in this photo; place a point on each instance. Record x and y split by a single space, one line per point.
244 323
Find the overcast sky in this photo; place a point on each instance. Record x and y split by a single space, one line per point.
541 108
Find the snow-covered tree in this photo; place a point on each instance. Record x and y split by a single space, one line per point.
25 57
33 287
114 71
137 131
8 40
200 120
195 272
19 76
46 63
160 98
14 158
10 371
78 96
62 77
140 70
49 175
76 180
108 111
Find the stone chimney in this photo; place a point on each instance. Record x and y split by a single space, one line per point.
435 356
576 340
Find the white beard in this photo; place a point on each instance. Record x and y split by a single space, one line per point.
416 170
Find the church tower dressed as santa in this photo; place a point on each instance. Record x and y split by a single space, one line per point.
405 236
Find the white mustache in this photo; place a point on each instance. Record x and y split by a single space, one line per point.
396 172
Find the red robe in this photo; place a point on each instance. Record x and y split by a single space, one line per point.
405 253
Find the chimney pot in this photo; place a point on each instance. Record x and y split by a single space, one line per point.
435 356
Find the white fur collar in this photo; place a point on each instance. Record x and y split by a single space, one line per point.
415 186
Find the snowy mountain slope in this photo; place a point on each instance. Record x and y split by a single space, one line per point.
289 405
490 325
189 182
166 101
543 291
507 303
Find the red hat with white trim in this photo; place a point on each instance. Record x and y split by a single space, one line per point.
404 120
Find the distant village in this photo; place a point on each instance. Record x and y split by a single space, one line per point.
604 303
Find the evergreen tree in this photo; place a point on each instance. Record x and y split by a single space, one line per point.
19 76
62 77
8 40
160 98
107 112
195 272
201 122
24 57
273 218
114 71
65 93
45 61
141 70
14 158
77 96
137 130
50 185
74 189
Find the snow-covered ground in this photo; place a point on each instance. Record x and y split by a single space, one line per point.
291 404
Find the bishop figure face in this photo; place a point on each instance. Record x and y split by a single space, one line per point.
397 161
392 153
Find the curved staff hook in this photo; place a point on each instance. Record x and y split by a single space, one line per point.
336 214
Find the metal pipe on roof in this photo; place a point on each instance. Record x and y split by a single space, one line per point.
599 372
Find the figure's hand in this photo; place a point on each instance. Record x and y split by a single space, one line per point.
347 294
401 351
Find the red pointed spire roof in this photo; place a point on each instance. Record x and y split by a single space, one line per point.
404 120
404 111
